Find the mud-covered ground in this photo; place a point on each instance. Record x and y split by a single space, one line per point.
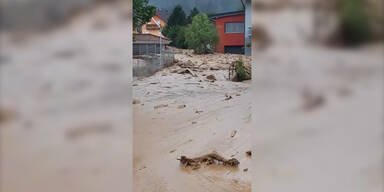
190 114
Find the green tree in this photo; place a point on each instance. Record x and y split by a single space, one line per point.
180 38
177 36
201 35
174 29
193 13
142 12
177 17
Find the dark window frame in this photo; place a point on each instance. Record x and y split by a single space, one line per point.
225 27
227 47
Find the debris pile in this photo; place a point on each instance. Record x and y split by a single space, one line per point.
188 63
209 159
160 106
211 78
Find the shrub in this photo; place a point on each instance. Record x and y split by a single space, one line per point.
355 27
201 35
241 74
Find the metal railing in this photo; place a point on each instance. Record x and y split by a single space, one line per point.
146 65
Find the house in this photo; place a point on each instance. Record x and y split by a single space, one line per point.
230 28
156 24
235 30
149 40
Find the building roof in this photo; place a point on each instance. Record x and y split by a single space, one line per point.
149 38
218 15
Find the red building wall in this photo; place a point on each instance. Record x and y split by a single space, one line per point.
228 39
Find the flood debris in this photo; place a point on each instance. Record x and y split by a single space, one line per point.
172 151
143 167
214 68
160 106
187 64
201 63
181 106
227 97
211 77
233 133
198 111
208 159
187 70
135 101
191 83
311 100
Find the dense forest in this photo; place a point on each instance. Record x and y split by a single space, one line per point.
205 6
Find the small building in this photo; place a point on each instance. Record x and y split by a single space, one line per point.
148 44
235 30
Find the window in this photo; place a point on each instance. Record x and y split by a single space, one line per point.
234 27
234 49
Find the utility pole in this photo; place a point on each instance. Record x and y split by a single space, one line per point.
160 52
